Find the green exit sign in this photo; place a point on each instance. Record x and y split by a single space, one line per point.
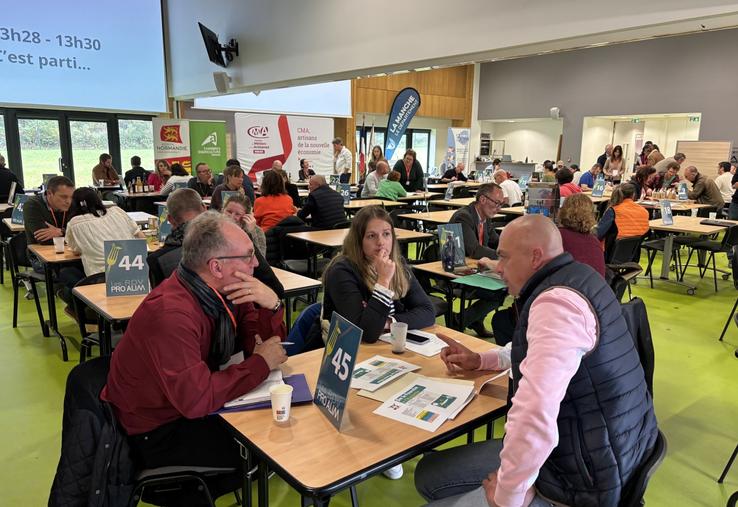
635 120
694 119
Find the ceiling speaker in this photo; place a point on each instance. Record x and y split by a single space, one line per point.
222 81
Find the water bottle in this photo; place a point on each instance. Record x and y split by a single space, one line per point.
448 253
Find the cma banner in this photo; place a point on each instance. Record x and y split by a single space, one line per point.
404 107
263 138
458 148
190 142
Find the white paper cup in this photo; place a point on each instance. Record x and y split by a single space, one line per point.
713 215
59 245
281 402
694 212
398 330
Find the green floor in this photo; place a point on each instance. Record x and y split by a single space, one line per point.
695 380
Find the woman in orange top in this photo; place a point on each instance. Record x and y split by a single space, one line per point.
275 204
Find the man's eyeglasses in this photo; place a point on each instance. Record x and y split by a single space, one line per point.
246 258
494 201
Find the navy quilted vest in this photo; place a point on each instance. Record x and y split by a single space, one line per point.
606 422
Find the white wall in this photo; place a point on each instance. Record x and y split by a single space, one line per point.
667 131
596 133
538 140
286 42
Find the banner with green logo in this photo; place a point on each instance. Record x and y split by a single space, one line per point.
208 144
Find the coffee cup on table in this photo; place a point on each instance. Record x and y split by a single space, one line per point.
713 215
281 396
59 244
398 331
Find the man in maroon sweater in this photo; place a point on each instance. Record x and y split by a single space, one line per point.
168 373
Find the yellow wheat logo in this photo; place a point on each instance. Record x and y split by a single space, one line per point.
112 259
331 343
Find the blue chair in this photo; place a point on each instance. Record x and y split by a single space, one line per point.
301 328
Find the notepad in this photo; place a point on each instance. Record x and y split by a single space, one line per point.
300 394
260 393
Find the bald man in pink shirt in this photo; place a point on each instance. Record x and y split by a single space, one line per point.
561 343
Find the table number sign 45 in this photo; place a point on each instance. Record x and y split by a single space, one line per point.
337 368
126 270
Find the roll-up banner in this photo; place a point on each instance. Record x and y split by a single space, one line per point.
403 109
263 138
459 139
208 144
172 141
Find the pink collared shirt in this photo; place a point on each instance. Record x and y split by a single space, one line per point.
562 328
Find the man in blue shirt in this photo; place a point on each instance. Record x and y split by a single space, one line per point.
587 180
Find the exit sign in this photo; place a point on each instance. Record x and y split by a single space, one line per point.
694 119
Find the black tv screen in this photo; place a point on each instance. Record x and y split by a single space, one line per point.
212 45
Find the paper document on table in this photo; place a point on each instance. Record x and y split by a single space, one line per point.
427 403
260 393
378 371
385 392
428 349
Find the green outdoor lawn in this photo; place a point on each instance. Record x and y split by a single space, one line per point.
39 162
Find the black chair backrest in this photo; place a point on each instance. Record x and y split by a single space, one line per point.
460 192
91 280
633 492
625 250
162 266
18 247
731 238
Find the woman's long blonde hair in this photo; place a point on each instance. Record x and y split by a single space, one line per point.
353 251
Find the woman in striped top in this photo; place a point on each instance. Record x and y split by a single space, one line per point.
369 282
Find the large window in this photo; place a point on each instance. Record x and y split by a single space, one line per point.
417 139
38 142
40 149
3 142
136 138
89 141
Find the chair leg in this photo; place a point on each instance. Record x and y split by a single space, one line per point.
15 303
728 465
714 270
727 322
39 312
651 257
686 265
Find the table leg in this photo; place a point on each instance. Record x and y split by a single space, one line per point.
461 309
263 485
668 247
106 337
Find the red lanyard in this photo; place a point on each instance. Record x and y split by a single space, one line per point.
407 170
230 313
64 218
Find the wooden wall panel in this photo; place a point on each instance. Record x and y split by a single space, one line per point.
445 93
705 155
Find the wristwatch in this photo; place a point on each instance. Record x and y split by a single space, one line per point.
277 306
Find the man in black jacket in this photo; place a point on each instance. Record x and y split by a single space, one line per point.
183 206
7 177
324 205
135 172
480 241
